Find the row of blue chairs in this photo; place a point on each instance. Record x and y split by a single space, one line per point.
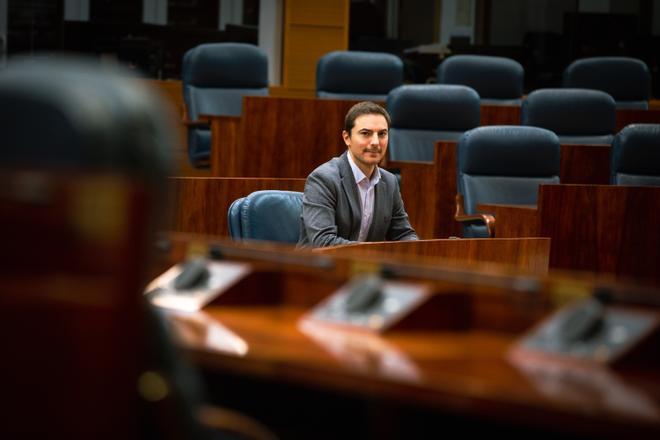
217 75
496 164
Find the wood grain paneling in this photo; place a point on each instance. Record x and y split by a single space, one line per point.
305 45
603 229
500 114
528 255
512 220
311 29
323 13
278 137
631 116
201 204
585 164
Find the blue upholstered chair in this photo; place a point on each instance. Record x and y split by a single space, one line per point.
497 80
270 215
358 75
627 80
424 114
502 164
577 116
216 76
636 156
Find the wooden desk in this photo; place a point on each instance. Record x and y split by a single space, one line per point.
429 189
527 255
302 378
201 203
633 116
277 137
595 228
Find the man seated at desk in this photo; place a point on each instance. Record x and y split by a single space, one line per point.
350 198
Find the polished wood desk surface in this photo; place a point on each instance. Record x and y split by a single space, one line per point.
453 372
465 370
528 255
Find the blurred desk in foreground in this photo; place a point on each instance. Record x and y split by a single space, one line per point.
529 255
305 379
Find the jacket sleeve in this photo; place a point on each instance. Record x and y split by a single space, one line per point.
400 229
318 212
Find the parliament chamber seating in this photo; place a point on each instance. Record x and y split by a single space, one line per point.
577 116
502 165
216 76
356 75
497 80
424 114
269 215
627 80
636 156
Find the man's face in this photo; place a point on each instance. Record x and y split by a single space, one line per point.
367 141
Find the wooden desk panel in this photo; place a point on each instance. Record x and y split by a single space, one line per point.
429 189
529 255
278 137
500 114
201 203
603 229
513 220
632 116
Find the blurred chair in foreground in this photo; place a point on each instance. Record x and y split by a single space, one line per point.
270 215
504 165
216 77
358 75
82 171
424 114
627 80
577 116
636 156
497 80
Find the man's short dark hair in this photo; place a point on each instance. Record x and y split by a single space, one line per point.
364 108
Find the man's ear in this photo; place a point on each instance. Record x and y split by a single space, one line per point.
346 136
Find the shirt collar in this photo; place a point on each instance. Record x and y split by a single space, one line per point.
359 175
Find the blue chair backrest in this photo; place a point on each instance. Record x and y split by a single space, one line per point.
627 80
577 116
424 114
358 75
504 164
497 80
636 156
216 76
270 215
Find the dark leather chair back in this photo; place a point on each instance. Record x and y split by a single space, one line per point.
636 156
504 164
269 215
216 76
497 80
627 80
577 116
358 75
424 114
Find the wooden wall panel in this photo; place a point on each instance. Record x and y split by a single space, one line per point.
311 29
201 204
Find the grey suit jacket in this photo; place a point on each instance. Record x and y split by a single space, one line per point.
331 208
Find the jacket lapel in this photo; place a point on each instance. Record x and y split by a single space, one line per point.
351 190
377 229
